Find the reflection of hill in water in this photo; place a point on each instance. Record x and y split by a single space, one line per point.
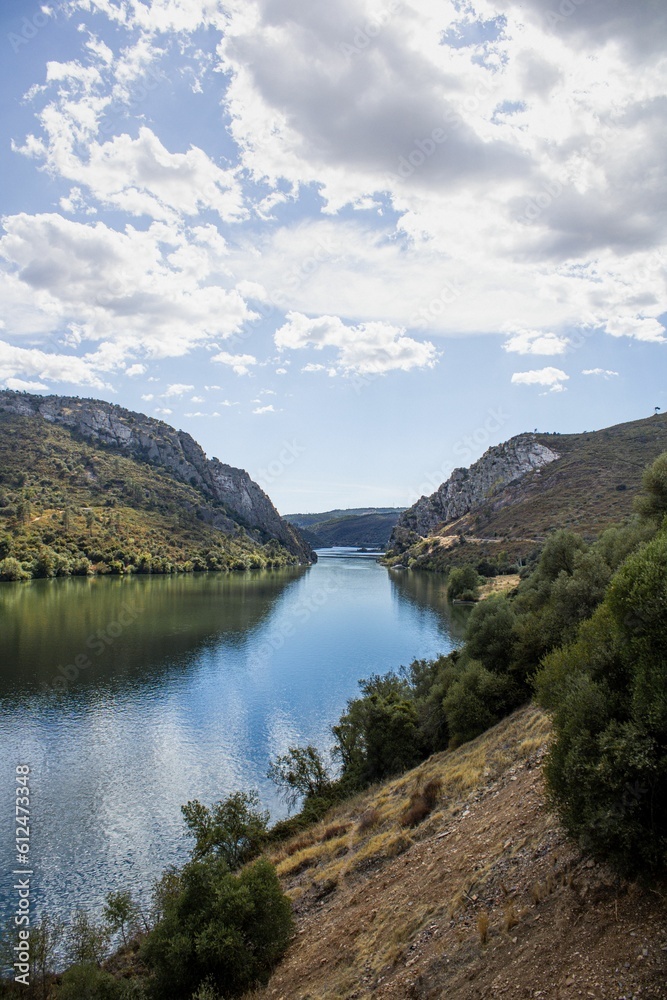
430 590
126 628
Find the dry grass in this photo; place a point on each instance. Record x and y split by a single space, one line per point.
511 917
499 585
483 927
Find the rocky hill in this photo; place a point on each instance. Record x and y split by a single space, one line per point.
468 489
533 484
174 452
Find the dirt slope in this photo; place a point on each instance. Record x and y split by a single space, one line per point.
392 912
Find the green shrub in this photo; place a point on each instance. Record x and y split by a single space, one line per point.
219 929
11 569
87 982
607 768
234 830
477 700
462 580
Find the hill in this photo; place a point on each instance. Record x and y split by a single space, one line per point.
84 484
484 898
367 526
519 491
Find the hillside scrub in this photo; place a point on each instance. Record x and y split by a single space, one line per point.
68 508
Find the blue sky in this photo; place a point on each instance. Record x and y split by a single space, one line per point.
347 246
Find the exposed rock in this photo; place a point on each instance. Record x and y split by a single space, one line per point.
467 489
159 444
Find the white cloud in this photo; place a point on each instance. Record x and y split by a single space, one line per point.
535 342
163 411
197 399
239 363
638 327
20 385
21 361
148 397
129 289
135 370
314 368
281 371
605 372
177 389
265 409
365 348
551 377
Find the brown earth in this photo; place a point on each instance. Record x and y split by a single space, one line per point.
485 898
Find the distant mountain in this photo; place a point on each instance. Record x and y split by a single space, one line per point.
358 526
532 484
64 458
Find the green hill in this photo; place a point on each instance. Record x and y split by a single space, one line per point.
70 506
367 526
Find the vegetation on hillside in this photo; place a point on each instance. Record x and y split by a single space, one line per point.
587 625
356 527
70 508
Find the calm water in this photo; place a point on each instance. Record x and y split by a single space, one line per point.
128 697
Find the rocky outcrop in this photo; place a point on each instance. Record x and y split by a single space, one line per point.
159 444
468 489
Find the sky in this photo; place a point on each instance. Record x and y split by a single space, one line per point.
347 245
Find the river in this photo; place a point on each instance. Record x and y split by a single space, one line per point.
129 696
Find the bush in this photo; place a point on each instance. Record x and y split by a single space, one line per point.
490 634
607 768
476 701
234 830
462 581
87 982
300 773
378 735
11 569
219 929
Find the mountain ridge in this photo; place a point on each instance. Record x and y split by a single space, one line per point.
157 443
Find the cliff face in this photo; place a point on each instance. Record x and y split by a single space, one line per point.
159 444
467 489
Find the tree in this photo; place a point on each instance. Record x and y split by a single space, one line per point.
378 735
219 929
653 503
46 936
607 767
490 634
86 941
558 554
234 829
463 580
121 913
299 773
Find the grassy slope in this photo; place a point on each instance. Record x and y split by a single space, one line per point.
591 486
394 912
133 506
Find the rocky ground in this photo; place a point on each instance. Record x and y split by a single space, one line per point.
485 898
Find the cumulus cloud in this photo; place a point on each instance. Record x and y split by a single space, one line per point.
535 342
553 378
367 348
264 409
605 372
133 289
21 385
177 389
68 368
486 170
135 370
239 363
